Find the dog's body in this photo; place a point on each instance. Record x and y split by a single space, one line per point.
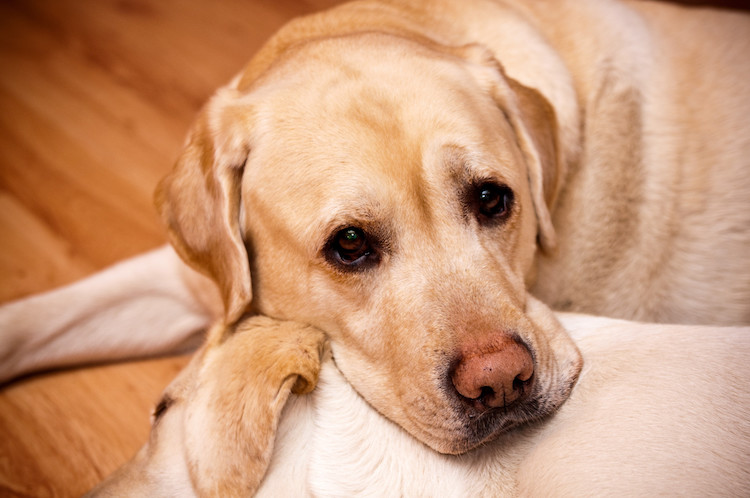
402 174
653 166
632 427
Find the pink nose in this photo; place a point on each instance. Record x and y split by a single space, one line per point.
495 375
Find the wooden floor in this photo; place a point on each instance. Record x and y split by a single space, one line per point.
95 99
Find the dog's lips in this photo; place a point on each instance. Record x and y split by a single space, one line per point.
427 404
452 426
481 428
473 428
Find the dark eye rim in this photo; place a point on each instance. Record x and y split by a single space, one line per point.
500 203
365 256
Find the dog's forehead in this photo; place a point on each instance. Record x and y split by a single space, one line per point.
358 126
387 88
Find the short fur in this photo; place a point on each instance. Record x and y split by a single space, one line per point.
213 431
632 427
619 127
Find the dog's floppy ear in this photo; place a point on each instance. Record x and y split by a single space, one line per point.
535 124
243 383
200 199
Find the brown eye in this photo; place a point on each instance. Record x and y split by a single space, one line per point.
350 247
493 201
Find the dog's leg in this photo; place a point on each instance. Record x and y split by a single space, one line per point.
214 430
150 304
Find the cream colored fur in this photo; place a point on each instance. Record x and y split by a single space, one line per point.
620 128
586 126
213 431
657 412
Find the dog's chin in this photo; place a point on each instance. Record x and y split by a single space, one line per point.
477 429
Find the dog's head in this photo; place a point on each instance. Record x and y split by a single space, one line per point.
393 193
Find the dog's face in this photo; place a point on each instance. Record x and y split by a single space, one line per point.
393 194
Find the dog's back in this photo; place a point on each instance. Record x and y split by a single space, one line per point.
653 223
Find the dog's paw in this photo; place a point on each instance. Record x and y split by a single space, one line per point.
245 376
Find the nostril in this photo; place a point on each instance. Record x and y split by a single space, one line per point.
523 379
486 393
522 383
488 398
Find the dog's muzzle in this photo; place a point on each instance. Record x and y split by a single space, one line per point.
493 389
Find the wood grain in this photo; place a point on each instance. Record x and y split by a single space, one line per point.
95 100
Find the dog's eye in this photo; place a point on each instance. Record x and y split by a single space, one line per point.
493 201
351 247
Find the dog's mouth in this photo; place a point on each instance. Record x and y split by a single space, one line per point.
458 424
473 422
481 428
470 423
460 397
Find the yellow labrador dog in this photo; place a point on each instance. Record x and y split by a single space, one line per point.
659 410
403 174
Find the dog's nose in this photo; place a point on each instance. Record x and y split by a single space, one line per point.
495 375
